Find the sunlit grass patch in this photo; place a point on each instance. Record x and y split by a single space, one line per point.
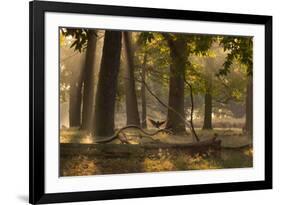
249 152
201 163
74 135
151 165
78 166
157 160
82 161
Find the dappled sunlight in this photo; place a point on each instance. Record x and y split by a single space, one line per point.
134 102
158 165
249 152
159 160
78 166
199 162
87 139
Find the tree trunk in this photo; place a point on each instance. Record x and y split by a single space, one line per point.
249 107
130 91
75 97
107 85
179 56
88 81
207 125
143 94
208 112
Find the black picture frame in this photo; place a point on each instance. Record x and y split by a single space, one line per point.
37 193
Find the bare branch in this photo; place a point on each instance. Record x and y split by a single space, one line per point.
123 137
191 112
170 108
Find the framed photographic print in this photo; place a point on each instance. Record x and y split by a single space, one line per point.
140 102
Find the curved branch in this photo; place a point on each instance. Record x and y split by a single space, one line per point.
116 135
191 111
172 109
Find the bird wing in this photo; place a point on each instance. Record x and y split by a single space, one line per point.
152 122
161 123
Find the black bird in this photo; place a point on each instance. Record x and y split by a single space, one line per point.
157 123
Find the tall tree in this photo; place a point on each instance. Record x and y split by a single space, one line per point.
143 93
103 123
210 66
172 51
74 80
83 40
178 54
130 91
241 49
88 81
249 106
208 108
75 97
181 47
201 72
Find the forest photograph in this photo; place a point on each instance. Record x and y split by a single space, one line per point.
147 101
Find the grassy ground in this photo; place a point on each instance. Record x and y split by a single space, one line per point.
154 160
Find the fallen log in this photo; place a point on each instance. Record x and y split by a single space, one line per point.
125 150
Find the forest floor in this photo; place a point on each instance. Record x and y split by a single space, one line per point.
79 157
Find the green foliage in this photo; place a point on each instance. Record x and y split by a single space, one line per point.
207 55
233 86
224 88
200 44
157 46
81 37
71 61
156 50
220 62
238 48
145 38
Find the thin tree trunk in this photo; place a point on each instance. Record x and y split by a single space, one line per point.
143 94
208 95
130 91
88 81
249 107
107 85
194 134
208 112
172 109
